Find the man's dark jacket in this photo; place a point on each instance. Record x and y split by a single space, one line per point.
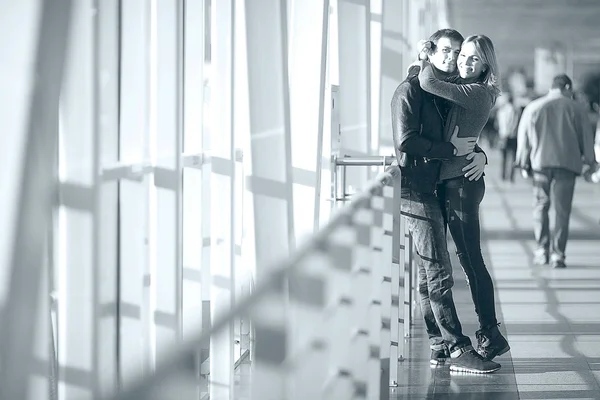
418 126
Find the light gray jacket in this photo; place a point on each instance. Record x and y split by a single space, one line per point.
554 132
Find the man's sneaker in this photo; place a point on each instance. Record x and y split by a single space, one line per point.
491 343
472 362
558 264
439 356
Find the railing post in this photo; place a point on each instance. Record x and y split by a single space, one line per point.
398 254
341 250
378 259
408 281
309 350
363 220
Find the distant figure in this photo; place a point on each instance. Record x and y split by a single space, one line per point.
490 131
507 122
597 141
553 137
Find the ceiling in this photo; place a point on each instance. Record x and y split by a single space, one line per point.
517 27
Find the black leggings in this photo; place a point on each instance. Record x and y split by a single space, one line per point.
459 199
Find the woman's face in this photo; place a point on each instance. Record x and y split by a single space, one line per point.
469 63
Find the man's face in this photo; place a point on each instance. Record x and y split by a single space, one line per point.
445 55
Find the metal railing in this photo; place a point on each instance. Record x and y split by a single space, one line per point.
327 320
340 164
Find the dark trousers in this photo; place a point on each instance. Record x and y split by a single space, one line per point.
552 185
426 224
509 151
460 199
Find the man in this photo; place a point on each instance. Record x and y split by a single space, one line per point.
554 144
418 123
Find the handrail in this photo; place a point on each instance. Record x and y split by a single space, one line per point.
364 161
348 161
178 361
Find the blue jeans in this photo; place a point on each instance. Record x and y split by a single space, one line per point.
460 199
426 224
552 185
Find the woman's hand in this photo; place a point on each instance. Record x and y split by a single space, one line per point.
475 169
424 47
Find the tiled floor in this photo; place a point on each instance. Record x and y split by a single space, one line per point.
551 317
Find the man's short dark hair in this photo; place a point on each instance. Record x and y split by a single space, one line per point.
562 82
451 34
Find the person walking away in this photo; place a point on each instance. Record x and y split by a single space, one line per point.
554 146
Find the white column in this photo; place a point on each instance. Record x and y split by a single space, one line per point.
441 8
415 31
166 82
34 40
355 84
392 72
222 189
244 244
83 120
135 309
270 180
106 145
197 184
406 27
195 210
307 55
375 50
18 39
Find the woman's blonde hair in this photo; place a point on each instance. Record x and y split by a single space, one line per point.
491 75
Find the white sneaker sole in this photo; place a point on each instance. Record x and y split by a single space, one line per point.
458 368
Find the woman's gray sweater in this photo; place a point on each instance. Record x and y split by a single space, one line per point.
471 106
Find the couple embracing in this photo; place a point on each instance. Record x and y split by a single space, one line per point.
438 113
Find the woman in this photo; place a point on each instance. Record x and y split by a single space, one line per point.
472 95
